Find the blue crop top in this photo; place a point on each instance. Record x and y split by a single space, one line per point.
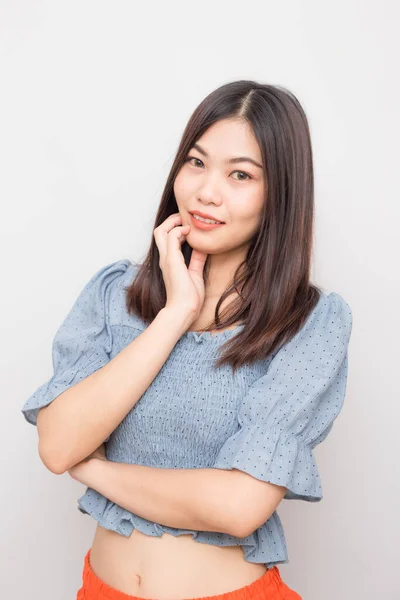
265 420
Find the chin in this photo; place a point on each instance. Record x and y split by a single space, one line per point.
206 249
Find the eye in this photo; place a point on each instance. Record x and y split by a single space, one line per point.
243 173
189 158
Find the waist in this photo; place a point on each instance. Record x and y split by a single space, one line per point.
161 567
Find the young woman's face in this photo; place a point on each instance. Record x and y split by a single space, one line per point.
232 192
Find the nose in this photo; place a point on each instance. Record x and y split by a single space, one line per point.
209 191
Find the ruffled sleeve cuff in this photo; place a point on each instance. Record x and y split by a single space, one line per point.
58 384
276 457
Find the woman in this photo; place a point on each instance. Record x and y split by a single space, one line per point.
203 442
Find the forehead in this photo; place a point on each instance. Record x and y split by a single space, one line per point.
230 137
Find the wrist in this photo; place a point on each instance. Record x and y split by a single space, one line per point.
95 471
179 320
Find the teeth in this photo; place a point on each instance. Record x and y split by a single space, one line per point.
206 220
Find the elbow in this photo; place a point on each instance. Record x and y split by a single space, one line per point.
50 461
47 455
241 528
248 516
232 509
238 525
244 525
256 501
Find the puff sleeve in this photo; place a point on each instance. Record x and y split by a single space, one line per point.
291 409
83 342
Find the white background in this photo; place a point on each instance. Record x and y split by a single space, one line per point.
94 97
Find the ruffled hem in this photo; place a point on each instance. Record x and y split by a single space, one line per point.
266 545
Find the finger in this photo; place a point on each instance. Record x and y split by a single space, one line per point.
197 262
174 241
161 232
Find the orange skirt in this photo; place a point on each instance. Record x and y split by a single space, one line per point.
268 587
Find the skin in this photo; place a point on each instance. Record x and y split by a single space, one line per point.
160 567
213 186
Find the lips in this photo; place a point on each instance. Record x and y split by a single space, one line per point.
202 225
205 216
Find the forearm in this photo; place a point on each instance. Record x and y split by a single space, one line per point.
195 499
81 418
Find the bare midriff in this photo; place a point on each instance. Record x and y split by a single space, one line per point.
169 567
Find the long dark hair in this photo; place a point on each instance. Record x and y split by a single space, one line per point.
275 295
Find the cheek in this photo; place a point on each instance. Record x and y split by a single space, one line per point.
181 185
250 213
247 221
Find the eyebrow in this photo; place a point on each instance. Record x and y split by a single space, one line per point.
234 160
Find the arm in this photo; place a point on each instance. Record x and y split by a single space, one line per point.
79 419
288 411
196 499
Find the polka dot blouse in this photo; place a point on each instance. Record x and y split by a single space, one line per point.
265 419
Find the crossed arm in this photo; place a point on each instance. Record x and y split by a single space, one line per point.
218 500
